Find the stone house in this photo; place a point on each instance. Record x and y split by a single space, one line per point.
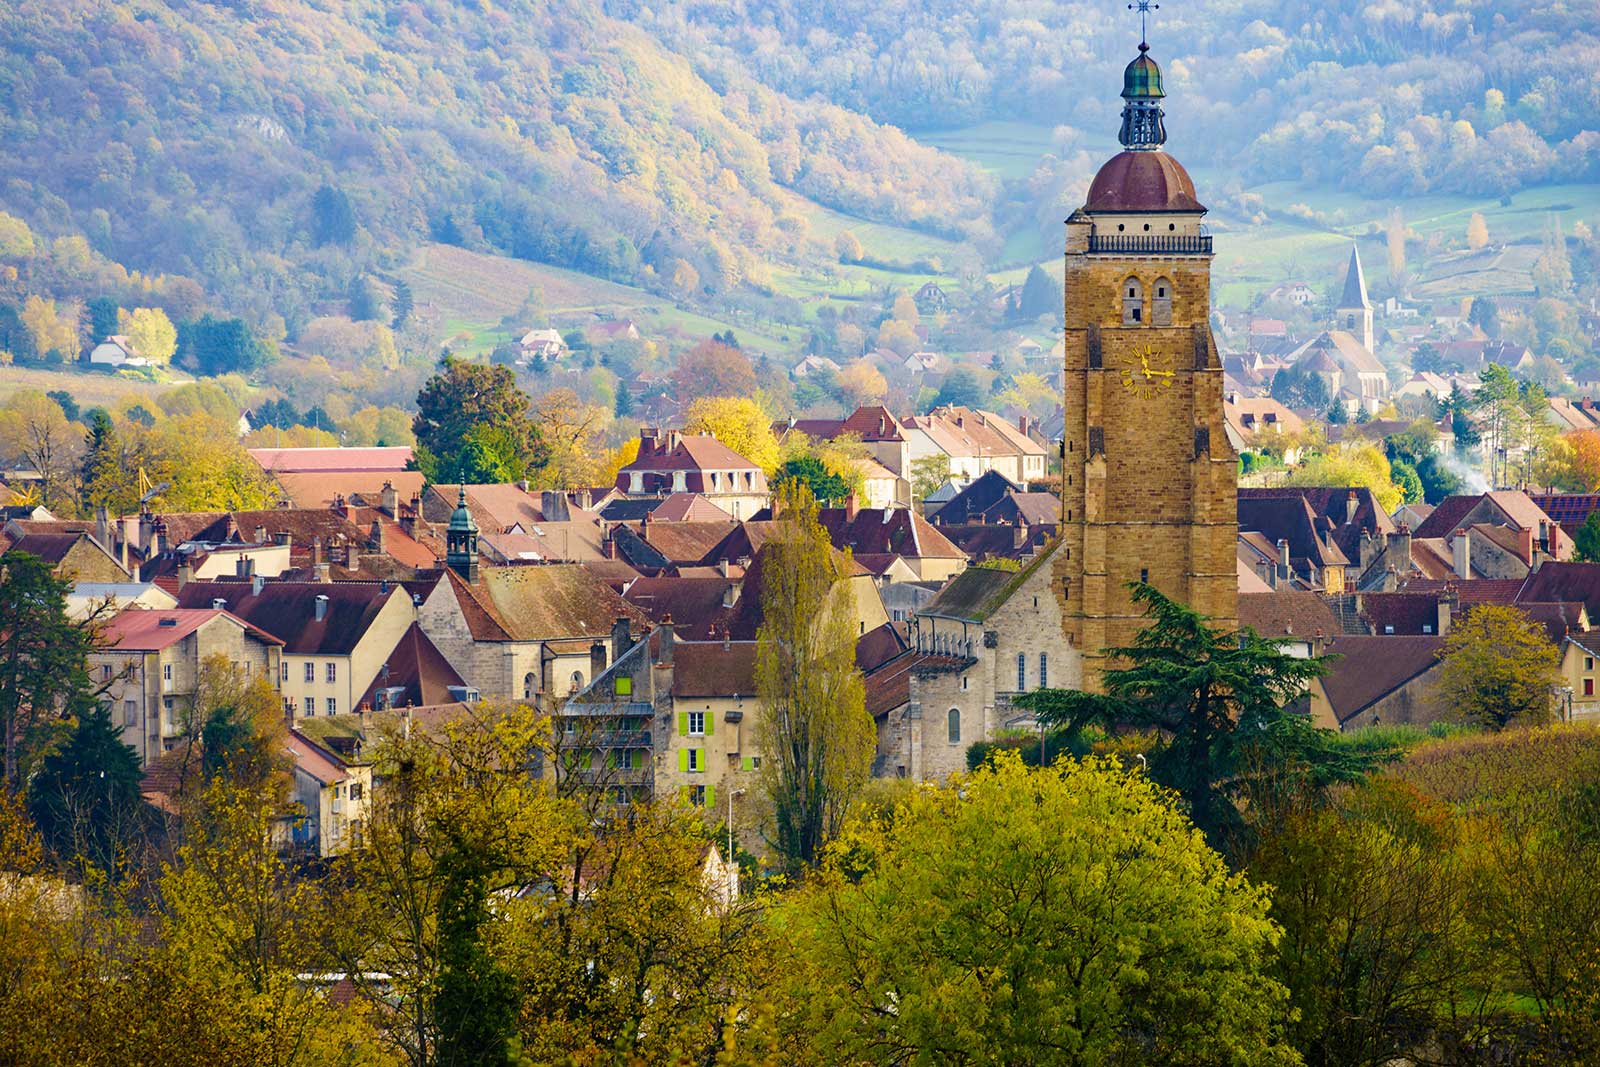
524 632
988 635
1379 680
71 554
336 636
149 661
688 463
335 796
670 717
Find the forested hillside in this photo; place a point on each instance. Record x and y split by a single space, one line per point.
275 149
1460 96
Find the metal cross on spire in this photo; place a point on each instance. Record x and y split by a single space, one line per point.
1144 7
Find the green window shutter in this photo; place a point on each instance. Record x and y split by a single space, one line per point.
683 793
587 761
611 760
683 759
710 718
747 764
711 795
683 724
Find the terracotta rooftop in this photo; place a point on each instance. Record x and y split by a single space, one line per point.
420 668
144 630
713 668
316 460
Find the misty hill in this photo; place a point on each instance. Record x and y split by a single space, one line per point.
1471 96
196 137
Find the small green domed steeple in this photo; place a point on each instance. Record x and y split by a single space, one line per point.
461 540
1143 127
1142 78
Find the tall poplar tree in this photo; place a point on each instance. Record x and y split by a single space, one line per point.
814 733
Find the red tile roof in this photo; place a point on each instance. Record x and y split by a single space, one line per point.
418 666
144 630
307 460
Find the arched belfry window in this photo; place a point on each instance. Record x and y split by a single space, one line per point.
954 726
1161 303
1132 302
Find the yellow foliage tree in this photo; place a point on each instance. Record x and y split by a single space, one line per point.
739 423
150 332
620 457
862 383
52 330
1477 231
1353 466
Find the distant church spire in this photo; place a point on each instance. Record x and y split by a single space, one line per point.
1143 128
1354 311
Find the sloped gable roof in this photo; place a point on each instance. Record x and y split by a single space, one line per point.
1370 668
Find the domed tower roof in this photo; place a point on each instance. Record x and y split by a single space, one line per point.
1142 178
1142 181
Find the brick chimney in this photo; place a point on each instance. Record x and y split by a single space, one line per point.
390 500
1352 504
597 660
851 507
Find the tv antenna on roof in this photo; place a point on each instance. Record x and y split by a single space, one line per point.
1143 7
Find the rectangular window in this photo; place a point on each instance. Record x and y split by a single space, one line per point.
355 790
130 713
285 670
311 707
166 672
750 763
1144 575
624 685
1022 671
333 706
311 671
697 795
1588 687
697 724
333 673
105 673
1588 663
1044 669
696 760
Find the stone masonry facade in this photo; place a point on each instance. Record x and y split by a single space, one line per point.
1149 480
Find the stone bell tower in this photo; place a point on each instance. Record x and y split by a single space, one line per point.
1149 481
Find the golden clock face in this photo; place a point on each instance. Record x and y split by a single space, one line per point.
1139 375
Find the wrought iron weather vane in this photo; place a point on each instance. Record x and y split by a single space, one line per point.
1143 7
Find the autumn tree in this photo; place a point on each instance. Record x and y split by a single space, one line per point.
53 330
43 659
203 466
1477 231
847 248
861 383
738 422
1064 915
1030 394
35 433
813 731
713 368
150 332
472 418
1354 465
1371 897
570 430
1498 668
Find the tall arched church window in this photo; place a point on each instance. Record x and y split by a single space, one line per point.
1132 302
953 726
1161 304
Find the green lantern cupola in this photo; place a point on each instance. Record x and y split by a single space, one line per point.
1143 128
461 540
